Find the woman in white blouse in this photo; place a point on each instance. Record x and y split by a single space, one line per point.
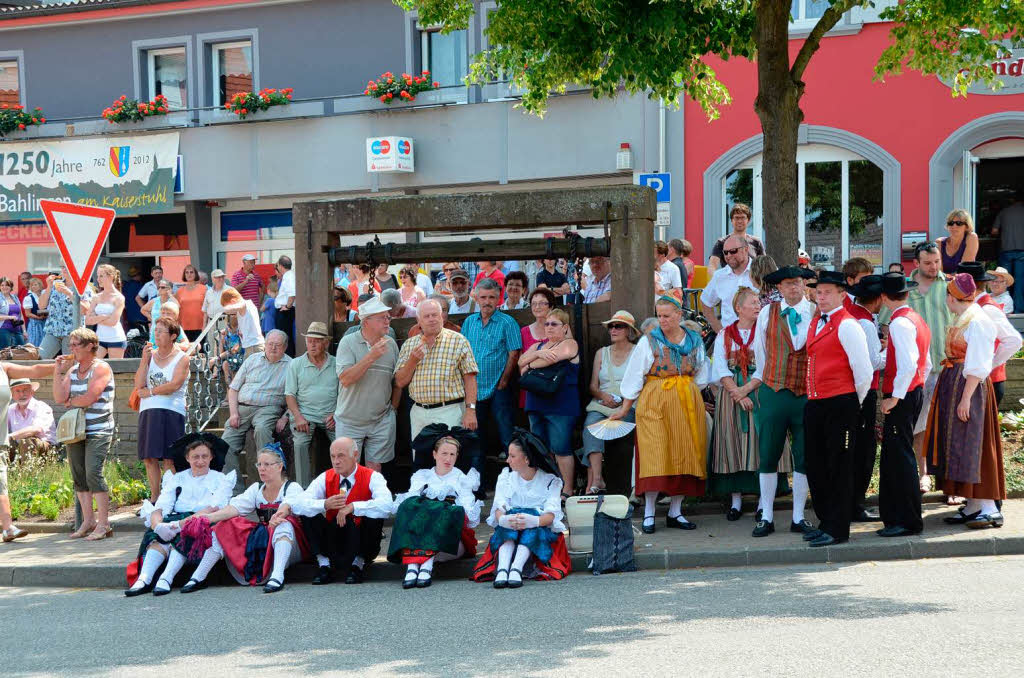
196 490
279 541
527 519
434 520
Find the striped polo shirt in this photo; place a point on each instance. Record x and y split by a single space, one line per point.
99 417
250 291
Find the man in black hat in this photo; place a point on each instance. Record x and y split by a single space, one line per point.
1008 340
907 365
867 294
839 376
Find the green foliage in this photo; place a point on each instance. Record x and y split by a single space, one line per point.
41 485
956 41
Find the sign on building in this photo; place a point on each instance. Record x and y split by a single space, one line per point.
1009 71
389 154
132 175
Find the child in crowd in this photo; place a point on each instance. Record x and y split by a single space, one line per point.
997 289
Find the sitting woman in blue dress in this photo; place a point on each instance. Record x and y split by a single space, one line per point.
255 552
199 489
434 520
528 540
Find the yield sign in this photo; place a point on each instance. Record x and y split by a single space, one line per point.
79 231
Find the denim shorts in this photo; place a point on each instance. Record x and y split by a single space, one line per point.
554 429
113 344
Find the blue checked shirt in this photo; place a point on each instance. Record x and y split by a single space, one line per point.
491 344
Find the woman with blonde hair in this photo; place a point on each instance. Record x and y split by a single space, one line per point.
248 320
105 313
759 269
962 243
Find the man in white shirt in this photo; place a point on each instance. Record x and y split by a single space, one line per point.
726 280
780 356
907 366
343 513
839 374
668 273
462 302
423 282
212 306
284 302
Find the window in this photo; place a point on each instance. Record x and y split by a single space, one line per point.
255 225
231 64
43 260
802 10
168 75
10 83
444 55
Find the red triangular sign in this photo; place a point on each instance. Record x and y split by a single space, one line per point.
79 231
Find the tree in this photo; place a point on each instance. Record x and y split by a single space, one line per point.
658 47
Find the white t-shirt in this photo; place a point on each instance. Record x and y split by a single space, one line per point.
669 275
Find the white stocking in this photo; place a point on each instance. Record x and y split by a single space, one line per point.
282 551
650 501
800 488
210 558
428 565
737 500
150 564
769 484
505 554
174 564
988 506
522 555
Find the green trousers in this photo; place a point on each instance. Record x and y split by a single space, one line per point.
780 413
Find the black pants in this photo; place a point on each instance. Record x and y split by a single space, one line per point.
899 490
343 544
830 437
865 450
1000 389
285 321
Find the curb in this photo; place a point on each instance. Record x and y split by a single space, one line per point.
112 576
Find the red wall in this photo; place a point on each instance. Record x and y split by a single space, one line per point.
909 115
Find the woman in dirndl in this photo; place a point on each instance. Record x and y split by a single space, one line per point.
255 552
528 540
434 520
734 452
962 441
664 377
200 489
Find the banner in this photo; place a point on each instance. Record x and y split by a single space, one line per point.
131 174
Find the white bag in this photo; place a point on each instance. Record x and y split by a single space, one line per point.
579 517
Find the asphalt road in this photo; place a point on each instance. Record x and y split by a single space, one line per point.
953 617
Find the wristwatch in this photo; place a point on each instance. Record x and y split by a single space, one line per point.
471 406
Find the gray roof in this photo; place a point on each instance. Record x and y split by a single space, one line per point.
23 8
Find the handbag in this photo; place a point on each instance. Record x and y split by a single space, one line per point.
23 352
134 400
613 541
71 426
580 512
544 381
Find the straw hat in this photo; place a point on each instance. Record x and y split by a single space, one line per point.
1001 272
317 330
14 383
624 317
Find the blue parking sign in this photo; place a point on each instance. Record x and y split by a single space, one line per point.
660 182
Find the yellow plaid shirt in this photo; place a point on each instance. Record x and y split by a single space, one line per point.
438 377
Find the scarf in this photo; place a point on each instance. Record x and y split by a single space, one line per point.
745 353
692 346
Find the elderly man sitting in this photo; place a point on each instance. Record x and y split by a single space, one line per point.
29 421
310 391
343 514
256 402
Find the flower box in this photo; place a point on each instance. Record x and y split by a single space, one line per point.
302 109
437 97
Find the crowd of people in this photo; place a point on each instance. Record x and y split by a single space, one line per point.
802 365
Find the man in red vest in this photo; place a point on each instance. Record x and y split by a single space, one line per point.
907 366
839 375
867 294
344 510
1008 340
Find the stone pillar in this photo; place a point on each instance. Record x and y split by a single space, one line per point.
632 262
314 278
199 220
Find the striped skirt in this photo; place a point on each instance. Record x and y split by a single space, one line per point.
671 437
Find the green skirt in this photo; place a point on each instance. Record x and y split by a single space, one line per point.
423 524
150 536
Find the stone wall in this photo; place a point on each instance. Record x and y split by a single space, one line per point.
1014 384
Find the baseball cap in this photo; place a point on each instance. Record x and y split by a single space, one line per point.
217 273
249 257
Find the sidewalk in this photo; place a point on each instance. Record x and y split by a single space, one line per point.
51 559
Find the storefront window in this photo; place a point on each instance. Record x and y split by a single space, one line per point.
265 260
739 188
865 200
823 213
255 225
27 246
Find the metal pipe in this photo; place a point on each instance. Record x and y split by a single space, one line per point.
472 250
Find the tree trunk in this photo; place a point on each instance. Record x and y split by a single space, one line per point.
778 107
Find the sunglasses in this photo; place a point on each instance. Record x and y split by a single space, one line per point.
553 324
617 326
956 222
733 251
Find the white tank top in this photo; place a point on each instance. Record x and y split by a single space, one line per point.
108 333
158 376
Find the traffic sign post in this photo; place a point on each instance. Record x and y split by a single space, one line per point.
79 232
661 183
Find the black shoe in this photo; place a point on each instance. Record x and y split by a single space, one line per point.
323 576
864 516
502 584
758 514
515 583
355 576
812 535
997 517
161 592
645 528
677 524
763 528
131 593
733 515
960 518
272 586
894 531
825 539
409 582
193 586
422 583
803 527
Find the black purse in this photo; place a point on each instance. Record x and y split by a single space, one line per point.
544 381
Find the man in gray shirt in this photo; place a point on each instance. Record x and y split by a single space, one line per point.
1009 226
311 394
366 365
